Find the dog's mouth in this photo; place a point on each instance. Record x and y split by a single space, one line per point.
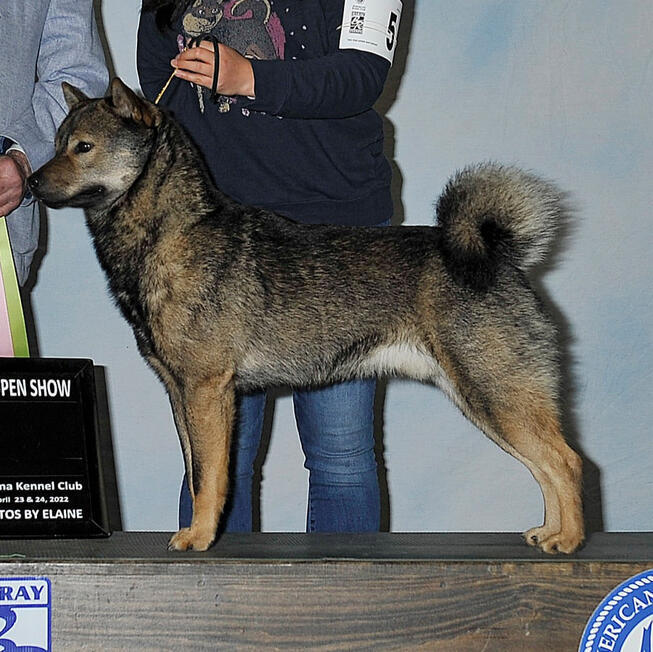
85 198
88 197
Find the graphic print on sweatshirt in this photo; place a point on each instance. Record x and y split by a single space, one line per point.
248 26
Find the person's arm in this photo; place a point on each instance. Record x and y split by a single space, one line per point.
333 86
71 51
338 85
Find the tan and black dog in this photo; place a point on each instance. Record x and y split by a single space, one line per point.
225 297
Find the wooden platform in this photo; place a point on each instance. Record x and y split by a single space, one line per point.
450 591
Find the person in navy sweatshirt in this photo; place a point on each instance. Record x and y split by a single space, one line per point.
287 125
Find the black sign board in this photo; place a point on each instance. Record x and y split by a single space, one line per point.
50 480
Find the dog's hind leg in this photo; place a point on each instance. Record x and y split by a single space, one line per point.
208 413
528 427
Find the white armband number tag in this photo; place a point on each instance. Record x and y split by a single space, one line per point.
371 26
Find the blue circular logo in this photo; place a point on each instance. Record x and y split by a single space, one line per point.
623 622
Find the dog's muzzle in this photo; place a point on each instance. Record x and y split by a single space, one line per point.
53 196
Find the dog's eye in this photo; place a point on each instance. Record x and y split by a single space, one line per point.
83 147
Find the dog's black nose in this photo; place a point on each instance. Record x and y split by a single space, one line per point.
33 181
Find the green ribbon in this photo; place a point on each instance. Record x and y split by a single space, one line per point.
12 295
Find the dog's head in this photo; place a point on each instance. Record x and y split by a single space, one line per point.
101 148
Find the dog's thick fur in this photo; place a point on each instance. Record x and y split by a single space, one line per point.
225 297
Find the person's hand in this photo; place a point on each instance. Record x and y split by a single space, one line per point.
196 65
14 170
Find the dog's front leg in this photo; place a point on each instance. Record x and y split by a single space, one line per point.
208 413
177 404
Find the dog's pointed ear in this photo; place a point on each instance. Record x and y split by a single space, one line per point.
128 105
72 95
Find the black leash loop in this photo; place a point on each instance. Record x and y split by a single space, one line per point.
195 42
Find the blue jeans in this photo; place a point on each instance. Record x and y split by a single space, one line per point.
336 429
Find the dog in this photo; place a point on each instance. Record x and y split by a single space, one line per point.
224 297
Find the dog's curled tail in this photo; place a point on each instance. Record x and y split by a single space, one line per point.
491 214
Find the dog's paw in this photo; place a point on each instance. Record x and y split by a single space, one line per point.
553 542
536 535
562 543
188 539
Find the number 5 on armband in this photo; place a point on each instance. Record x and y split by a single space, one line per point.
371 26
